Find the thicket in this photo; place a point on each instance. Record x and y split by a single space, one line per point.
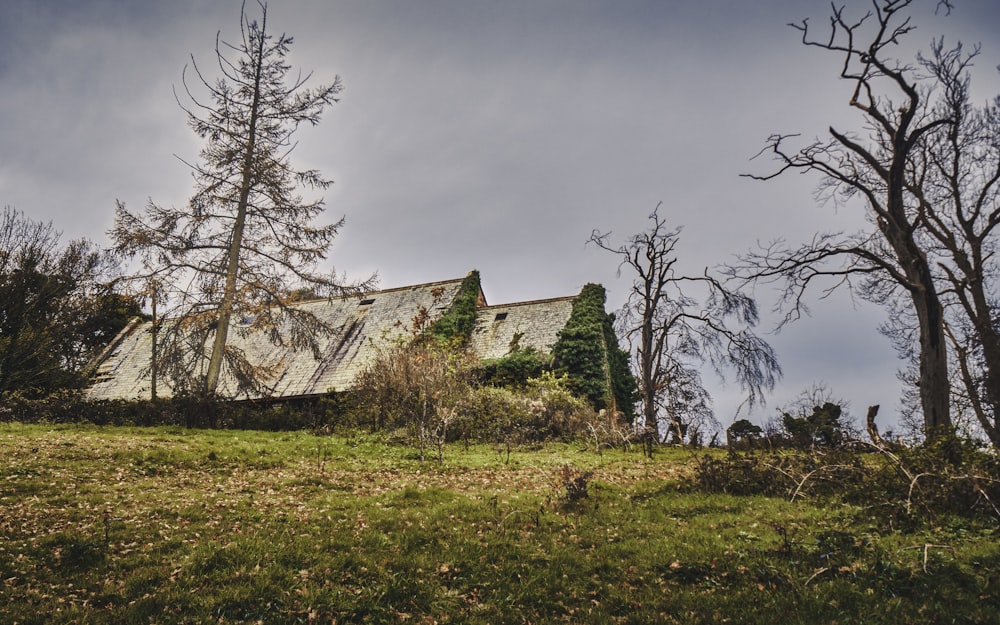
901 487
543 409
59 305
816 453
427 399
514 369
431 393
816 419
315 414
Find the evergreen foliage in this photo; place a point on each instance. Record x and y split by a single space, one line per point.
457 323
514 369
57 305
822 427
588 352
744 429
623 383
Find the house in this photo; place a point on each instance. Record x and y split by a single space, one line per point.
363 324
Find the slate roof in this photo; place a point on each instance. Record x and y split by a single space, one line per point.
525 324
360 321
363 322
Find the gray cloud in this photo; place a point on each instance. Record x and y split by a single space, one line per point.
488 135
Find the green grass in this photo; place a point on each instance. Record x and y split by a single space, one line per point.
166 525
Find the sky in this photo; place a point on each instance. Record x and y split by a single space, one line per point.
486 134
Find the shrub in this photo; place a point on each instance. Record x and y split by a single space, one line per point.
902 488
574 483
417 386
822 427
494 414
556 411
743 433
514 369
543 410
73 407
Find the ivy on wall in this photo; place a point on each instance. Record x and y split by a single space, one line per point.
588 352
623 384
587 349
514 369
457 323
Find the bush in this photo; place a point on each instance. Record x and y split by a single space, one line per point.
417 386
780 474
514 369
822 427
903 488
72 407
494 414
743 434
543 410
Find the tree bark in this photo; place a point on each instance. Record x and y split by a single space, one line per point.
236 242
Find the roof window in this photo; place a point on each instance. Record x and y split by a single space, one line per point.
366 302
500 316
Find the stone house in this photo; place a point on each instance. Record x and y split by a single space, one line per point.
363 324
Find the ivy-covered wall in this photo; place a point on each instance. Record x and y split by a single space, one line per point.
623 384
514 369
588 352
457 323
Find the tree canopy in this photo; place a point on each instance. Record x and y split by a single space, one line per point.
58 306
675 324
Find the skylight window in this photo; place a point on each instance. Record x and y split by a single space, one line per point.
500 316
366 302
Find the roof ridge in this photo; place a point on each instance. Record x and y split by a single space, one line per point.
529 302
363 294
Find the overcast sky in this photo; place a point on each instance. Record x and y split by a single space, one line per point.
474 134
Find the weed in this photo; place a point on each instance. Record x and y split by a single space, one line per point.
574 483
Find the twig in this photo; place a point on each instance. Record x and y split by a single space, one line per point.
913 484
926 548
816 574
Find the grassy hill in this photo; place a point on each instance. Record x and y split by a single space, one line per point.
123 525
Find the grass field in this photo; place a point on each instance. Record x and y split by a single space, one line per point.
121 525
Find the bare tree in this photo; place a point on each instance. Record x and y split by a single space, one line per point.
920 232
417 382
956 185
247 239
676 324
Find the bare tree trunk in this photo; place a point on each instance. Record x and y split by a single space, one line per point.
898 231
228 298
990 342
934 384
153 367
871 427
236 242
